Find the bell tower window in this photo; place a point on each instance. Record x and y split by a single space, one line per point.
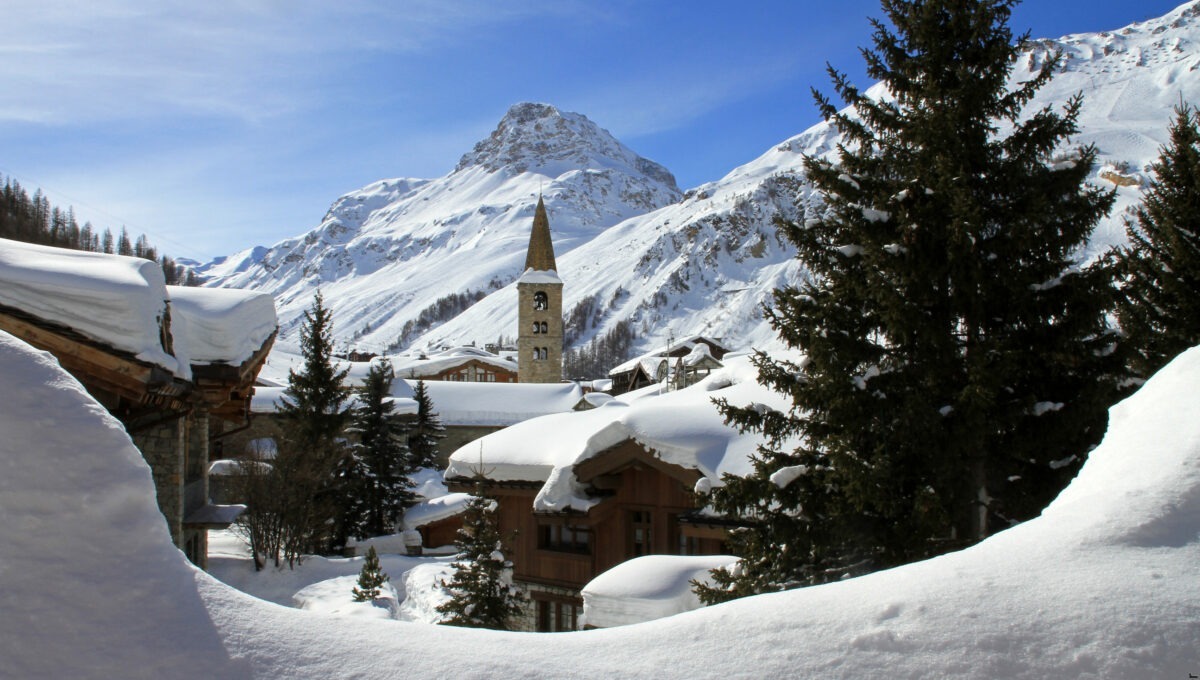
540 301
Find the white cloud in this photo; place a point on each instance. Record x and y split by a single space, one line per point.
70 61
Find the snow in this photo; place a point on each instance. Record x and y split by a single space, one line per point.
268 400
682 427
1101 585
646 588
433 364
498 404
230 467
548 276
115 300
123 301
786 475
222 325
435 509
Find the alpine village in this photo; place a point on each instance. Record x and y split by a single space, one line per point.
912 393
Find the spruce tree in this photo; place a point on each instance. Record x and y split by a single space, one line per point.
382 452
1159 307
482 594
313 417
313 402
957 362
425 432
370 579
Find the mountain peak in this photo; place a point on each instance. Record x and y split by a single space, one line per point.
532 136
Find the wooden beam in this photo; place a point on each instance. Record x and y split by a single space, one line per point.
625 454
97 365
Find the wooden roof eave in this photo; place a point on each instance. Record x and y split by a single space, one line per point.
98 366
239 376
226 389
624 454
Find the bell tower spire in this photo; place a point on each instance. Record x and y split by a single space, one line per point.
541 251
539 313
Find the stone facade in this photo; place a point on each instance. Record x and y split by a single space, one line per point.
162 445
540 337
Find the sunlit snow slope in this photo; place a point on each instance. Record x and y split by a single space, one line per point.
1102 585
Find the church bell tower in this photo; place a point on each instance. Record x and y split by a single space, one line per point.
539 296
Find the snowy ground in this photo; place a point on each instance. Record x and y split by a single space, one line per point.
325 584
1102 585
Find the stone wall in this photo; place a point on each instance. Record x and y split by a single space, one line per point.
163 446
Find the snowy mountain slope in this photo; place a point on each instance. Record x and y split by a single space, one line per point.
705 263
1101 585
386 253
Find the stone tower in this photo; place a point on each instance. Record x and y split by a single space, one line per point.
539 315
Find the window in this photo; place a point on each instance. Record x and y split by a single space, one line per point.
536 328
543 327
640 533
564 538
555 615
540 301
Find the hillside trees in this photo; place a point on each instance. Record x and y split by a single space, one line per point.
1159 308
35 220
957 360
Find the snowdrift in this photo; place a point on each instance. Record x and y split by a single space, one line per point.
1102 585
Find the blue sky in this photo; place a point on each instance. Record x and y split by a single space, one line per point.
215 126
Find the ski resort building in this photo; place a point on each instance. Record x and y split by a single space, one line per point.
176 366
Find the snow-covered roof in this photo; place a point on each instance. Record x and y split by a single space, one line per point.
498 404
270 399
434 364
435 509
683 428
115 300
548 276
122 302
650 361
647 588
235 467
221 325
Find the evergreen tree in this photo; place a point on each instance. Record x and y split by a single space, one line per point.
1159 309
124 247
313 401
370 579
382 448
481 589
958 364
425 432
313 417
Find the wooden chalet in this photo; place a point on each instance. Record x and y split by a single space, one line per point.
172 416
683 363
645 506
463 364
